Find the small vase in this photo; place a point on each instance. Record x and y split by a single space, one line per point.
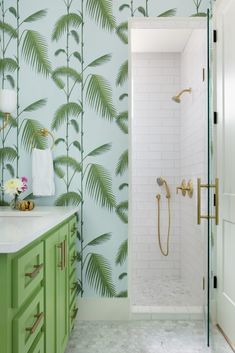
14 203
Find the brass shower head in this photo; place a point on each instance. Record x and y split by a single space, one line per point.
177 98
162 182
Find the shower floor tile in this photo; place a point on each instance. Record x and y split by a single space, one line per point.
165 291
138 337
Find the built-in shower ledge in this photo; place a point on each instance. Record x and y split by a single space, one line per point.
143 312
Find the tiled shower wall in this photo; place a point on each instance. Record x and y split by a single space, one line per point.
193 159
156 152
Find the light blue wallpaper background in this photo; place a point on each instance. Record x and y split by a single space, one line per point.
97 130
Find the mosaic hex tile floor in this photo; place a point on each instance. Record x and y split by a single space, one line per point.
138 337
141 337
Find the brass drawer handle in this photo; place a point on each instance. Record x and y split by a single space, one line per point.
35 272
35 325
75 312
61 247
65 252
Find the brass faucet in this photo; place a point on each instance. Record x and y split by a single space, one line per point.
185 188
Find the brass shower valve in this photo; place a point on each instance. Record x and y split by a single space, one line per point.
186 188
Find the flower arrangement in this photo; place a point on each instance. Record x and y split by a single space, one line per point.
15 187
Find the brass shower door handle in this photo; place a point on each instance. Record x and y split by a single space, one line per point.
216 202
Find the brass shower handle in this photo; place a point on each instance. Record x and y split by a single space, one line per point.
216 202
186 188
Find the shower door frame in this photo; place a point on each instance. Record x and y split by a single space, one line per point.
149 23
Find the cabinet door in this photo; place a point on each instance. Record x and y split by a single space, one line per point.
62 291
52 258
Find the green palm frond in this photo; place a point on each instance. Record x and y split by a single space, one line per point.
58 171
75 36
68 161
64 23
122 253
60 139
99 96
36 16
99 150
13 11
77 55
59 51
168 13
99 275
11 81
122 121
36 105
124 6
64 71
69 198
122 186
100 239
123 294
99 186
101 12
35 52
122 74
200 14
75 125
10 170
8 64
77 145
141 10
64 111
7 154
122 163
30 137
122 32
101 60
7 28
122 275
122 211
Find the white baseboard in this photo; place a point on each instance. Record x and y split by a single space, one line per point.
103 309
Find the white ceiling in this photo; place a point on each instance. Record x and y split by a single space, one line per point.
159 40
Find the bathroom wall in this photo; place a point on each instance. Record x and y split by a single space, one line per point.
155 152
193 163
98 128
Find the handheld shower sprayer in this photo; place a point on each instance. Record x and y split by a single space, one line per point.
161 181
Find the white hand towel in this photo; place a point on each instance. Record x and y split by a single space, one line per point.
43 172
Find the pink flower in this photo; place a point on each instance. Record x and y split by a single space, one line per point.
24 179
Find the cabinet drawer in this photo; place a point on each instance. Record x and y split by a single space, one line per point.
73 311
38 345
73 286
73 231
28 273
28 324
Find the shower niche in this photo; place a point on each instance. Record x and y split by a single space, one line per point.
168 152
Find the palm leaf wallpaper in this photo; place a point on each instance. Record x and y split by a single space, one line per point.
67 61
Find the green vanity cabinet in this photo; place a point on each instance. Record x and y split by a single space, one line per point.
38 303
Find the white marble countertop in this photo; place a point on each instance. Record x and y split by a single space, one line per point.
20 228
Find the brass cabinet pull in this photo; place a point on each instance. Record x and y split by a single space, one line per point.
35 325
199 187
64 257
35 272
61 247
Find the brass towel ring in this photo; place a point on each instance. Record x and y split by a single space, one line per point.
45 132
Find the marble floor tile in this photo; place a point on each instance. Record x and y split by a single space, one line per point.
138 337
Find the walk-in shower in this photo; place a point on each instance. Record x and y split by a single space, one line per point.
168 153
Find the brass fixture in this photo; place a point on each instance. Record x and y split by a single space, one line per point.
35 272
177 98
161 181
33 328
207 186
45 133
186 188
